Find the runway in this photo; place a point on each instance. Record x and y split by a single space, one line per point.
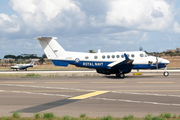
93 95
85 72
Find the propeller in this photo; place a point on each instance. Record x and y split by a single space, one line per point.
156 61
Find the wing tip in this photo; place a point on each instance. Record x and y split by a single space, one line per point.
126 57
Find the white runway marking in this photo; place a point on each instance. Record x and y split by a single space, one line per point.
92 90
67 96
107 99
176 104
145 102
160 95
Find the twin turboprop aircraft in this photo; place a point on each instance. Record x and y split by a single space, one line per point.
118 63
22 66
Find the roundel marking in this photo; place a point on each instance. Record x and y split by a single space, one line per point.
77 60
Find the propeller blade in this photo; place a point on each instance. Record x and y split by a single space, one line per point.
156 61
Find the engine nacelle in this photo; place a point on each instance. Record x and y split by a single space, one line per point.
104 71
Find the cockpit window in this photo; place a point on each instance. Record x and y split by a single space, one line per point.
146 55
141 55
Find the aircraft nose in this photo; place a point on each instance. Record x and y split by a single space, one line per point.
165 61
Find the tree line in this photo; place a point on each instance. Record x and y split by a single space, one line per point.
34 56
167 53
24 56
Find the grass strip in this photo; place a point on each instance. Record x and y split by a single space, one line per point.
50 116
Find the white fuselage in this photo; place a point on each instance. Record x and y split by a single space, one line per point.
94 60
118 63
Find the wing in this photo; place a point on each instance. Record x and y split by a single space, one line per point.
127 63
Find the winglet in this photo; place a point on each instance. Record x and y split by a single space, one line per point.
126 57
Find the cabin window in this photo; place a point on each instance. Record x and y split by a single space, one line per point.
117 56
132 55
103 57
128 55
95 57
122 56
141 55
108 56
86 57
113 56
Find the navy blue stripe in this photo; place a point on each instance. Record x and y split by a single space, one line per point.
103 65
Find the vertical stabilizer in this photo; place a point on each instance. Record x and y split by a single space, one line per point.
32 62
51 47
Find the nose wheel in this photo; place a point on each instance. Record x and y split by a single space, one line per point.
166 73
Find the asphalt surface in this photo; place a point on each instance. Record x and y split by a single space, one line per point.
93 95
85 72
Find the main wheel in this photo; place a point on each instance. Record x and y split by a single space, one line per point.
166 74
122 75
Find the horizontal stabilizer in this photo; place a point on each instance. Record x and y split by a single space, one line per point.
46 38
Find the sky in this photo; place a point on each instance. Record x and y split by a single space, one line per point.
83 25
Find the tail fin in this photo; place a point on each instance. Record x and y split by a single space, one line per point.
51 47
32 62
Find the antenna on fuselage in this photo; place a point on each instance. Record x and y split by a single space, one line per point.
99 50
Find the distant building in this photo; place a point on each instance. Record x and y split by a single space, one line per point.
174 50
178 49
7 60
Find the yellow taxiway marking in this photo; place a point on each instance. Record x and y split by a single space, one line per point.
89 95
61 82
154 82
17 82
107 82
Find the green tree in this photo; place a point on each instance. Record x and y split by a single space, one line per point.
19 57
44 56
10 56
41 60
92 51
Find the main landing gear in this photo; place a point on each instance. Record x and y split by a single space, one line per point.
166 73
120 75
